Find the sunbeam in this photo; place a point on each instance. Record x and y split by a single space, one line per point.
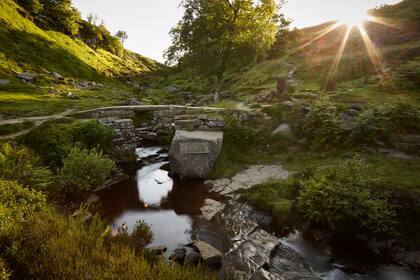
339 55
323 32
374 56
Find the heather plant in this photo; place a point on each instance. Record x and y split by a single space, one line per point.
83 170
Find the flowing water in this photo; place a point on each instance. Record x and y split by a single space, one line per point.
172 208
321 265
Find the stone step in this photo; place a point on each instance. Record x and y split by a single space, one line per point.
185 117
186 122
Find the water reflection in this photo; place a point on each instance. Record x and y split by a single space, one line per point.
170 207
153 184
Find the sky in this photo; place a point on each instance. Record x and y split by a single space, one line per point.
148 22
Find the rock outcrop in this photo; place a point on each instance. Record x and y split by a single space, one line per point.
193 153
257 254
211 208
248 178
208 253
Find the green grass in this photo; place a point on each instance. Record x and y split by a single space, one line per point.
26 47
7 129
274 197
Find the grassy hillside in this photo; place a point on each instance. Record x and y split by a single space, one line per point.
26 47
312 57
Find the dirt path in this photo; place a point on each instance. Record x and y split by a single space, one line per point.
38 120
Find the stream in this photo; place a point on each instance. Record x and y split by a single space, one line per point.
172 209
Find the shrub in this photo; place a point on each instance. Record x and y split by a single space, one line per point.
343 198
51 142
322 125
141 236
50 246
325 126
84 170
93 135
16 203
18 163
4 270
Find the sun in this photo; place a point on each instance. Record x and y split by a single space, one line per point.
354 17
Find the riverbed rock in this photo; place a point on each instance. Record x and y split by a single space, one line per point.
254 175
158 250
413 259
287 263
193 153
250 254
192 258
284 131
211 208
208 253
179 254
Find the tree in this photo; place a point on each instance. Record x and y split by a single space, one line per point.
61 16
122 35
34 7
217 35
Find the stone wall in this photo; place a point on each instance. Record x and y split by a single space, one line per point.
125 138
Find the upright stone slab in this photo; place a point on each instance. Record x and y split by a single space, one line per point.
194 153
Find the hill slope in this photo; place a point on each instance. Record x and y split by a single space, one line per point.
311 59
24 47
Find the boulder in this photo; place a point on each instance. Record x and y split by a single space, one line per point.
57 76
192 258
27 77
211 208
413 259
171 89
83 84
193 153
208 253
284 131
254 175
4 82
179 255
158 250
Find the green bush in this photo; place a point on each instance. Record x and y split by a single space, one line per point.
343 198
51 142
92 135
323 126
84 170
18 163
16 203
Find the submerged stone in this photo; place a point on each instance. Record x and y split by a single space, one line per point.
208 253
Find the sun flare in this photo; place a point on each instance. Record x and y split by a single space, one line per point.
354 17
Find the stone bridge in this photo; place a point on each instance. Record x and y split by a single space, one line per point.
196 133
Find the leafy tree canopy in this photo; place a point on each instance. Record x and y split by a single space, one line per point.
216 35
